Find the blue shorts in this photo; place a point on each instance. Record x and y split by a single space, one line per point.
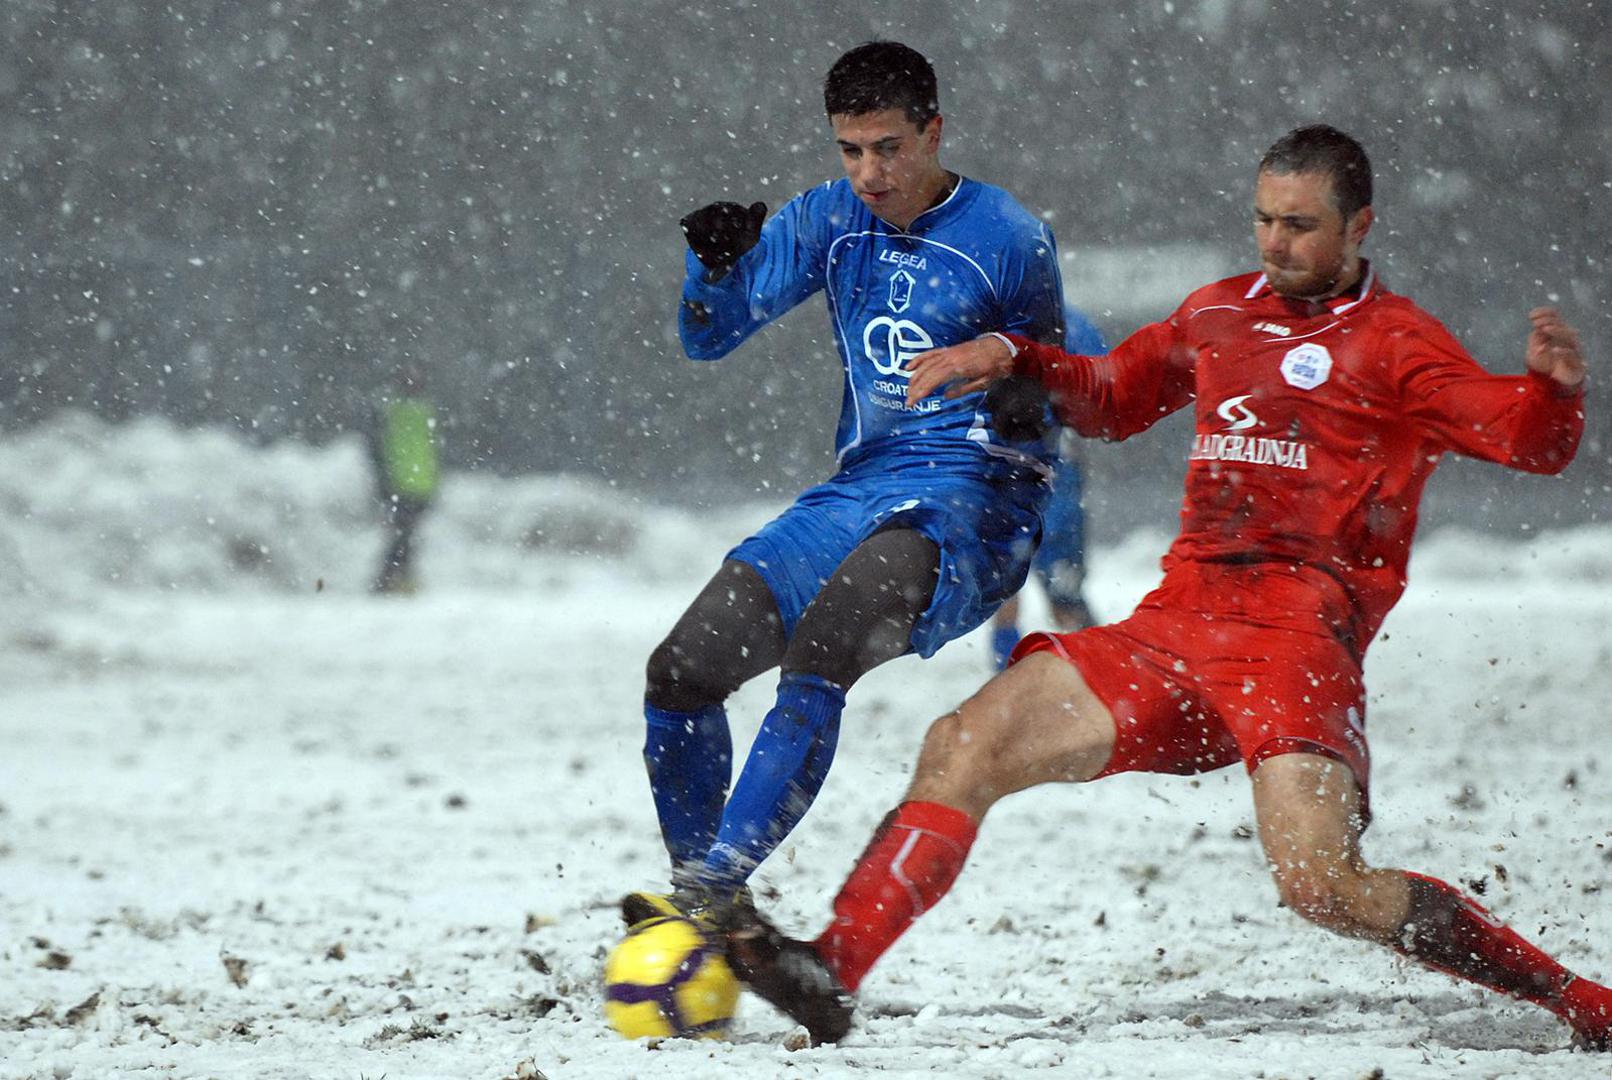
986 531
1060 562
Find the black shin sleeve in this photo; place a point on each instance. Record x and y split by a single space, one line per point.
729 634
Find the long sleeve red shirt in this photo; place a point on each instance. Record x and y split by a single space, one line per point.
1318 425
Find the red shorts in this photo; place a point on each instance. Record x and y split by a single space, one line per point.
1225 662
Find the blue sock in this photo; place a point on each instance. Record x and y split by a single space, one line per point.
1003 639
787 766
689 757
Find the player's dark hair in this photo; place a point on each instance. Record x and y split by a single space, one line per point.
880 75
1324 149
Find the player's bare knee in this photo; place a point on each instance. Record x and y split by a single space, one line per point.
988 724
953 745
960 762
974 747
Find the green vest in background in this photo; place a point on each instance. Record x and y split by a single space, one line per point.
409 449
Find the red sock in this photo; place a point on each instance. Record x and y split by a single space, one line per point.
1451 932
1588 1007
912 860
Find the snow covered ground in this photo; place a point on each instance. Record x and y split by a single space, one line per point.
256 823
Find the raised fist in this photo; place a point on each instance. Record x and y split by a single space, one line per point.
720 232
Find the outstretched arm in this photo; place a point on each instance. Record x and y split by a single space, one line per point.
1531 422
1147 377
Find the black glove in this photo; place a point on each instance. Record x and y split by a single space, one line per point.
722 231
1018 407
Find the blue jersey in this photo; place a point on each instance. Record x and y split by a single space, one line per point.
1081 335
1062 554
979 261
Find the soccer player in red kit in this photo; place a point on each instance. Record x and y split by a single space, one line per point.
1323 402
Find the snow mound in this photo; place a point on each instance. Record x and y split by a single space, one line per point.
1580 553
146 504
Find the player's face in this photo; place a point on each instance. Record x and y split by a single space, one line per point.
893 164
1306 248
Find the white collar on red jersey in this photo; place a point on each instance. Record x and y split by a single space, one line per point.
1337 304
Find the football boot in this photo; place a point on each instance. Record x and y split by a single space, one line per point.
788 974
693 902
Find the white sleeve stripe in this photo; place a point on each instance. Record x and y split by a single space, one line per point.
1013 350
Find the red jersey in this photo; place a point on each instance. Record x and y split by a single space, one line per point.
1318 424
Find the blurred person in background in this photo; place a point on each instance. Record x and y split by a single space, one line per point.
402 441
919 535
1059 564
1323 402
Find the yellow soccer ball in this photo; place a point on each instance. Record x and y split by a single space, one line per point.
667 979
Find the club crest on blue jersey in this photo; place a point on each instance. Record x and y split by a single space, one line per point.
901 284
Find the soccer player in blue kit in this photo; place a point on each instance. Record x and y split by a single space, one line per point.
930 520
1060 562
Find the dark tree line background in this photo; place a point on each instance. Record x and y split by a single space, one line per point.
253 213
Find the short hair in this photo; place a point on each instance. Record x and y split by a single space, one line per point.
1324 149
879 75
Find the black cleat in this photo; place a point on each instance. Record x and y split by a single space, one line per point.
695 904
1591 1042
637 907
789 975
